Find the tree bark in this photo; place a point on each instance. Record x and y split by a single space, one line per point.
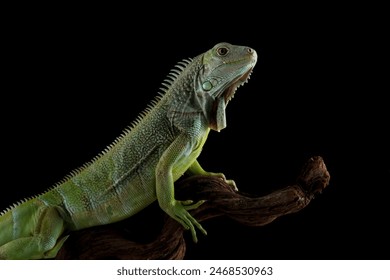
152 234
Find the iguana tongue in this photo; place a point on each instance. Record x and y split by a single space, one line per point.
219 114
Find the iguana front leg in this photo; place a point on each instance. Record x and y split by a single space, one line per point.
197 169
172 158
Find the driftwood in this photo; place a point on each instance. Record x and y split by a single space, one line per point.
163 239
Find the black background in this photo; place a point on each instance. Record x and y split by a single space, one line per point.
75 78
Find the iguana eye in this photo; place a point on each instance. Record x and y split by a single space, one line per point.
222 51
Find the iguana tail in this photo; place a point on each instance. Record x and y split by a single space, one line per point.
30 231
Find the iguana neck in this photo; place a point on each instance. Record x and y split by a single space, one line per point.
185 101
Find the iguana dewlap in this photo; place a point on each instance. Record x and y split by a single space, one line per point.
141 165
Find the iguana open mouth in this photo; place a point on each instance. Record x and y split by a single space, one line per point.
229 92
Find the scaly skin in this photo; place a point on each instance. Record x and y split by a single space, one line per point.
141 165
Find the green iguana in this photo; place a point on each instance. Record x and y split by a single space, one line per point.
141 165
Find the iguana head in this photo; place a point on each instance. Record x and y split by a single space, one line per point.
225 68
207 83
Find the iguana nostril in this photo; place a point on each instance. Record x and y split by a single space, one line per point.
249 50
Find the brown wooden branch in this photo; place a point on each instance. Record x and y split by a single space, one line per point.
151 234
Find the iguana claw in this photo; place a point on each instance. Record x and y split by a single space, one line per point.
223 177
179 211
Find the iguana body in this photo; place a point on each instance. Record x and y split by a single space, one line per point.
141 165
